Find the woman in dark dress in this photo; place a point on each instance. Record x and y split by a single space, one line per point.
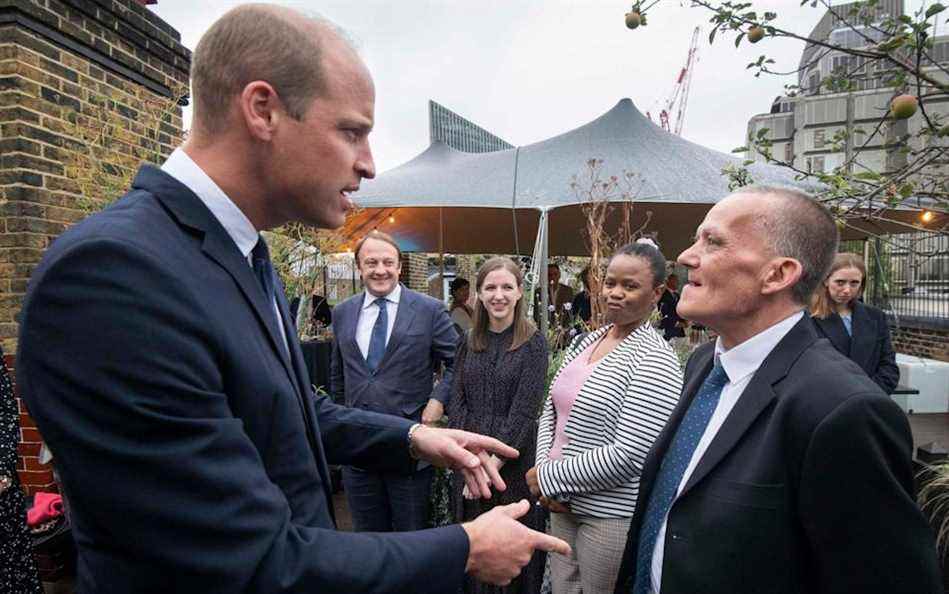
17 568
499 386
857 330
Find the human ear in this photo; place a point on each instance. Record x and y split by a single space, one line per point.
781 274
260 109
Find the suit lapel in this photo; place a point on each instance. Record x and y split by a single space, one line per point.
190 212
833 328
755 398
349 316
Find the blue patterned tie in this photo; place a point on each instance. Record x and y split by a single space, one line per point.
673 467
377 340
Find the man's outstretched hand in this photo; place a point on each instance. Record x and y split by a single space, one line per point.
500 545
468 452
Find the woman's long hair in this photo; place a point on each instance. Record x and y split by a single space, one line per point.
524 329
821 303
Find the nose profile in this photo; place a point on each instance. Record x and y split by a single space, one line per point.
365 166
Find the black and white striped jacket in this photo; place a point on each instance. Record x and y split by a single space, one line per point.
617 415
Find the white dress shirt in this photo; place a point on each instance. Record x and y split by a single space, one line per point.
369 313
181 167
740 364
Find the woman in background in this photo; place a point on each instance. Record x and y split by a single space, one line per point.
608 402
498 387
857 330
459 310
17 568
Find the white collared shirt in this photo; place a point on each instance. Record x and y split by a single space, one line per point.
740 363
181 167
369 313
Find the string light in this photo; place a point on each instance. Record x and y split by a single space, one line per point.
927 216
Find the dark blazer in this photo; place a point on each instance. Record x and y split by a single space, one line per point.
668 316
422 338
807 487
870 345
191 447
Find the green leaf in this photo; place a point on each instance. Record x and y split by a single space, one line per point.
934 10
711 36
868 176
738 39
740 149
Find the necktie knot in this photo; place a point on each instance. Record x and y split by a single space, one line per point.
380 302
717 377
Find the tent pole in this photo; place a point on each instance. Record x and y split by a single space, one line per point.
441 252
544 316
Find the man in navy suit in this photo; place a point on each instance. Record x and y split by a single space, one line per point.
388 343
784 469
157 355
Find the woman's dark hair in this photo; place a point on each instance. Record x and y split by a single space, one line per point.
457 283
657 262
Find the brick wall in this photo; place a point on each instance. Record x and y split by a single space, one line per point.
921 340
59 59
415 272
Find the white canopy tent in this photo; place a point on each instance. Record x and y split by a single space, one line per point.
449 201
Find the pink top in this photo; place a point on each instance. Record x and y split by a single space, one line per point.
564 392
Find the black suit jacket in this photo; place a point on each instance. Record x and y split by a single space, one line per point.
192 450
870 345
807 487
423 337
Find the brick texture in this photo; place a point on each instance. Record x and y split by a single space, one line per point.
931 343
63 63
415 272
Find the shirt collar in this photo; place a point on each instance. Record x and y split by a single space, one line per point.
181 167
744 359
393 296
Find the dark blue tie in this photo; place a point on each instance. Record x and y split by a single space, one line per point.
377 340
673 467
260 258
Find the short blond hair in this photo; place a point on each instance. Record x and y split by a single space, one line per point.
258 42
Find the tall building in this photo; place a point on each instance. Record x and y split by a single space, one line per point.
838 94
803 127
460 133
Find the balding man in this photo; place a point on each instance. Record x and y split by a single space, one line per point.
784 469
159 361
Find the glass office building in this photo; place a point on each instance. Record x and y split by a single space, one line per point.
460 133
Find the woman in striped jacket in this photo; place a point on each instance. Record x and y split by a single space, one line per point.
608 402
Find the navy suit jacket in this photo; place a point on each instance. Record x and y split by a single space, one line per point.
423 336
191 447
870 345
806 489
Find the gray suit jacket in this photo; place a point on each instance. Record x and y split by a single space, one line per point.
422 337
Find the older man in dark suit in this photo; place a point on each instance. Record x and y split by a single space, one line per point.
158 359
388 343
784 469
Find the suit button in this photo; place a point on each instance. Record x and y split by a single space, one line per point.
676 536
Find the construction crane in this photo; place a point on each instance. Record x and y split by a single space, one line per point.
679 97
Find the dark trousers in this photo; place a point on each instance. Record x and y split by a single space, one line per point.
387 502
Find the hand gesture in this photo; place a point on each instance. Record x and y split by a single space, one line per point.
500 545
468 452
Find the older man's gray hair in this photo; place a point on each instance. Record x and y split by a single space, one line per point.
797 226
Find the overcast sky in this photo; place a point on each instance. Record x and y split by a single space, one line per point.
527 70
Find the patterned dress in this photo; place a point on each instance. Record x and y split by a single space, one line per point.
17 568
499 393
